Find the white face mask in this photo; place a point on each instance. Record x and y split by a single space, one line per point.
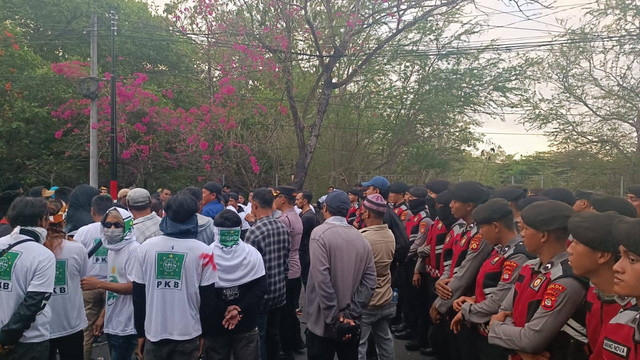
113 235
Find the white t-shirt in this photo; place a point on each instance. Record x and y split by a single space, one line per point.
67 305
88 236
118 319
27 267
245 224
172 270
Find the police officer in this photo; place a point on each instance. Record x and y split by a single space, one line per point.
604 203
542 311
621 335
633 196
417 226
583 201
397 192
467 255
354 196
496 277
592 254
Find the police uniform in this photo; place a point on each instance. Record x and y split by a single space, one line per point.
594 230
494 279
601 309
353 213
620 337
547 301
402 208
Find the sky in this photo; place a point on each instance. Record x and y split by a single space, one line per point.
540 23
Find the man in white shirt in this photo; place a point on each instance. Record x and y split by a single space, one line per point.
27 277
175 274
90 236
117 318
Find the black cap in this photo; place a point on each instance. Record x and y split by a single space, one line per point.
511 193
520 205
594 230
437 186
355 191
491 211
547 215
584 195
212 187
398 188
626 232
419 192
604 203
560 194
287 191
469 192
444 198
634 190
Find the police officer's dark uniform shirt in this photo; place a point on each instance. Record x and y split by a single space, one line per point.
465 275
507 261
621 338
532 330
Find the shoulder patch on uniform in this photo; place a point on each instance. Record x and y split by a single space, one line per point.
508 267
616 348
403 216
476 241
447 239
551 296
535 284
423 227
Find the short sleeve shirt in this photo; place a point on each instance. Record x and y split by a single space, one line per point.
27 267
89 235
118 318
172 271
67 306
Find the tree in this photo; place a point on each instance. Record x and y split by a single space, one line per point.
319 48
154 136
594 97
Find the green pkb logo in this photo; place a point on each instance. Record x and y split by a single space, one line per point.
100 257
60 281
169 270
6 270
229 238
111 296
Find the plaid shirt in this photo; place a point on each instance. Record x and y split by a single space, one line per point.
147 227
272 240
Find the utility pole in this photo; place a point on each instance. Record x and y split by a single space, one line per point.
114 140
93 137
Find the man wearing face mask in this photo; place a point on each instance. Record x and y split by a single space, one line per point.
27 273
117 318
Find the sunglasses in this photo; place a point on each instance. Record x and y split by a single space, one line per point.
108 225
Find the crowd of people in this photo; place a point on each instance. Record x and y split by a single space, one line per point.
458 270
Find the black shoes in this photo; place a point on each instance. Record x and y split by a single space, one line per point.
413 346
427 351
398 328
405 335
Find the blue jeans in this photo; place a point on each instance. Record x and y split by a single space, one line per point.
122 347
377 322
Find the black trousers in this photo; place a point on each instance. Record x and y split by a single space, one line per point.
70 347
321 348
290 338
28 351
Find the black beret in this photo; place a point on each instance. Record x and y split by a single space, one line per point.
398 187
520 205
511 193
437 186
584 195
491 211
603 203
469 192
634 189
419 192
560 194
594 230
626 232
547 215
444 198
355 191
